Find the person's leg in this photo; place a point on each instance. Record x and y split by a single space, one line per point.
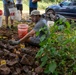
6 14
34 8
11 23
33 41
21 8
21 12
6 20
31 9
17 7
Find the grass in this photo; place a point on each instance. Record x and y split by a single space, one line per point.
41 5
1 5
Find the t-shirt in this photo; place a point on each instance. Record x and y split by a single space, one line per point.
5 1
32 4
42 23
18 1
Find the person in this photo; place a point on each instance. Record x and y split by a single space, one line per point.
8 4
31 37
32 5
52 16
19 5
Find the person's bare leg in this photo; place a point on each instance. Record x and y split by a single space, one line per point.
6 20
21 13
11 23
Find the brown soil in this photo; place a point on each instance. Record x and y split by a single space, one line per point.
19 59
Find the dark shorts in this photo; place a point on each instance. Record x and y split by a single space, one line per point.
34 41
19 6
6 10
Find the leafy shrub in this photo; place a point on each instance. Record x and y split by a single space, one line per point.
57 54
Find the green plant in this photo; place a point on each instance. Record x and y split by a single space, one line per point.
58 52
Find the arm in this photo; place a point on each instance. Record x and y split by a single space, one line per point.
31 33
35 0
24 39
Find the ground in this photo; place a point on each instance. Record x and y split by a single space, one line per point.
19 59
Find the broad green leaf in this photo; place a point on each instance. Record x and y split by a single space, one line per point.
44 60
52 66
67 24
67 31
43 38
74 39
61 27
40 52
74 68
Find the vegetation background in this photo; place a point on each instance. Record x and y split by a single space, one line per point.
41 5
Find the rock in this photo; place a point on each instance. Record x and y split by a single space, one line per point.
5 46
17 72
39 70
36 63
24 60
29 73
1 53
12 69
12 56
33 73
2 45
4 70
12 62
27 59
25 69
25 50
17 52
6 52
10 48
5 41
31 59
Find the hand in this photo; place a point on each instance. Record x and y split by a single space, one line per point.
34 0
13 42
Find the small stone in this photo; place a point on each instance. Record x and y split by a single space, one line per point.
39 70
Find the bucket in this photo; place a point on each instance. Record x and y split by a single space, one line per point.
1 12
50 23
17 15
1 18
12 13
22 30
